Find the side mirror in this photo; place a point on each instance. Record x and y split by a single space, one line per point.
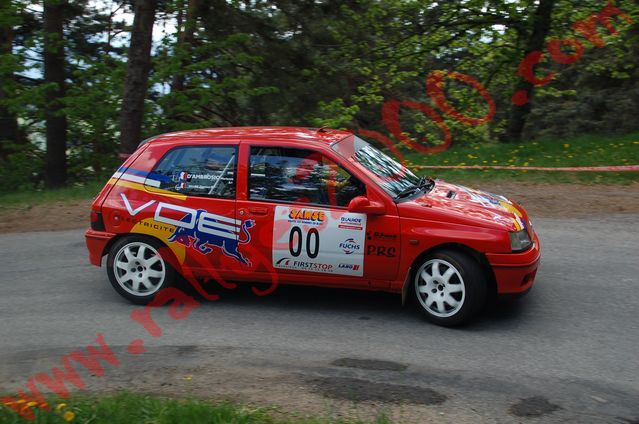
361 204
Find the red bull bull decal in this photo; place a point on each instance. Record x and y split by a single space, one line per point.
199 229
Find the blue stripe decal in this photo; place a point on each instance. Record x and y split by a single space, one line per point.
136 172
158 177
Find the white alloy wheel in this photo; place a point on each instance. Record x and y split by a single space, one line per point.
139 269
440 288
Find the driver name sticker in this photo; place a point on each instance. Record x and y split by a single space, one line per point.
316 240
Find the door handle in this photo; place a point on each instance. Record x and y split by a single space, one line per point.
258 211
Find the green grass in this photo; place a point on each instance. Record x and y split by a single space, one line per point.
129 408
35 197
589 150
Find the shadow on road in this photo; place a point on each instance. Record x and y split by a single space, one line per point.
368 304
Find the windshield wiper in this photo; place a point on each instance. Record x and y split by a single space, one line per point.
425 183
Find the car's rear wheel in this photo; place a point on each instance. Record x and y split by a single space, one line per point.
137 270
450 287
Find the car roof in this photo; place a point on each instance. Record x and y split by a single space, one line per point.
301 134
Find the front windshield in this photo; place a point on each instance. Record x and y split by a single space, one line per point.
392 176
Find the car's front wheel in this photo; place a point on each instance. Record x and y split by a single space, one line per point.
137 270
450 287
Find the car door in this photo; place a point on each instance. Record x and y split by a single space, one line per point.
195 187
297 199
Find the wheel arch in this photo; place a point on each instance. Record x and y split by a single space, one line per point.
173 261
459 247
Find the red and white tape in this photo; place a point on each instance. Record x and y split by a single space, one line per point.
615 168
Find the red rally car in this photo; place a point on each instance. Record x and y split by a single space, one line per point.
305 206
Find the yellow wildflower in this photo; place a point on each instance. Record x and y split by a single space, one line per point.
68 416
188 377
30 404
566 145
525 163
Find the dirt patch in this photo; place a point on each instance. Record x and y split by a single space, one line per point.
369 364
533 407
45 217
358 390
540 200
569 200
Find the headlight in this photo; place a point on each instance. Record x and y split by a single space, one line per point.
519 240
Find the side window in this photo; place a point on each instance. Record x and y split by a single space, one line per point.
197 171
299 175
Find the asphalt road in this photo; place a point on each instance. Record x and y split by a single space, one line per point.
569 351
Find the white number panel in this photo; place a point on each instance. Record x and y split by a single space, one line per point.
318 240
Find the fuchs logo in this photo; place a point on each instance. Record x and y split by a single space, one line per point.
349 266
349 246
200 229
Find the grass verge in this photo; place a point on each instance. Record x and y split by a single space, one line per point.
587 150
24 198
129 408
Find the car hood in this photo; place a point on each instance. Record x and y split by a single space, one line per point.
463 205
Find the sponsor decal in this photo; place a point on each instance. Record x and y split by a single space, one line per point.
349 246
307 216
315 240
354 267
209 231
186 176
389 252
201 230
379 235
351 223
290 263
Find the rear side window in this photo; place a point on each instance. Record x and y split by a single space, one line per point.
197 171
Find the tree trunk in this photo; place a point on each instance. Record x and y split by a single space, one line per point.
541 21
55 173
8 120
137 76
184 43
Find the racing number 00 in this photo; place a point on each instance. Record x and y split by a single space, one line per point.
295 247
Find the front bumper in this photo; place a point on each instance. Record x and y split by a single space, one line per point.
96 243
515 272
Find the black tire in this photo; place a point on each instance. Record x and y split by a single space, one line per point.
145 272
431 293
